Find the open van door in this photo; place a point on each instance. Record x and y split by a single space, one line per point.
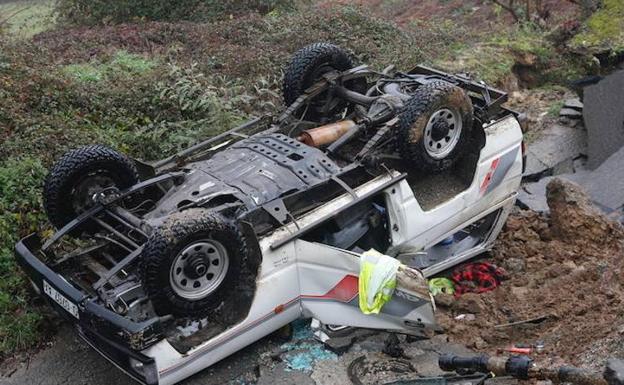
328 279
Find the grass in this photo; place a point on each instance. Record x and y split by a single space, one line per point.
20 214
121 64
24 19
494 57
151 88
487 62
604 30
555 108
135 104
147 89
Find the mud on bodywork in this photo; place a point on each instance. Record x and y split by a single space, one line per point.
290 201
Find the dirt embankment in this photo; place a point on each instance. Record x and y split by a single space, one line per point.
566 267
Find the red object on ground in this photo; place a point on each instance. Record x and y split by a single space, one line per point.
477 278
516 350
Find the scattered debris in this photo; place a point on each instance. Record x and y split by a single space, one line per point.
572 261
362 371
478 277
574 104
525 349
515 350
571 114
303 352
556 148
441 285
528 321
392 347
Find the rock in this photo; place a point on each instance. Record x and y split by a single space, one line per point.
519 291
571 113
573 103
533 195
440 339
514 265
469 303
339 345
556 144
480 344
465 317
444 300
368 346
574 217
571 122
392 346
412 351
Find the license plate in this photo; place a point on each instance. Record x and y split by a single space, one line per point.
60 299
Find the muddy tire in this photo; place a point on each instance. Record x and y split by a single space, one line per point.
435 126
192 263
78 174
307 67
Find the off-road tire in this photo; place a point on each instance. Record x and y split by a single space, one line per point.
166 242
299 74
67 171
409 131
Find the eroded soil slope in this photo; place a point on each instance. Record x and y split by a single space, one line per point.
566 267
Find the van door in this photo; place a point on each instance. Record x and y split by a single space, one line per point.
328 279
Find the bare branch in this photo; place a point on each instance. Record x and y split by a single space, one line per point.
507 7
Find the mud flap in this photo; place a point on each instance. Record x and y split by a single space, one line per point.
328 279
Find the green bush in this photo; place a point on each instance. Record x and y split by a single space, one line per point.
603 30
127 101
149 88
122 63
104 11
20 214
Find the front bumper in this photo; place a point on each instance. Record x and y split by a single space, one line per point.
118 339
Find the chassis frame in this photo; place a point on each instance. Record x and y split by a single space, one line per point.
133 346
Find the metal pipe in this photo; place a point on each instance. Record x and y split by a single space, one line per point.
395 89
344 139
355 97
126 218
324 135
117 233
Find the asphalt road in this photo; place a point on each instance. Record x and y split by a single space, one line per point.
267 362
70 361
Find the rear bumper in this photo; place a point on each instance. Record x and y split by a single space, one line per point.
113 336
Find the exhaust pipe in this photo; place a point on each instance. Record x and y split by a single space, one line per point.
327 134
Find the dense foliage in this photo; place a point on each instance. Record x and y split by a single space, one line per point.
148 89
103 11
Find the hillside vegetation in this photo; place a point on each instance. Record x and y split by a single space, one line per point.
151 77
